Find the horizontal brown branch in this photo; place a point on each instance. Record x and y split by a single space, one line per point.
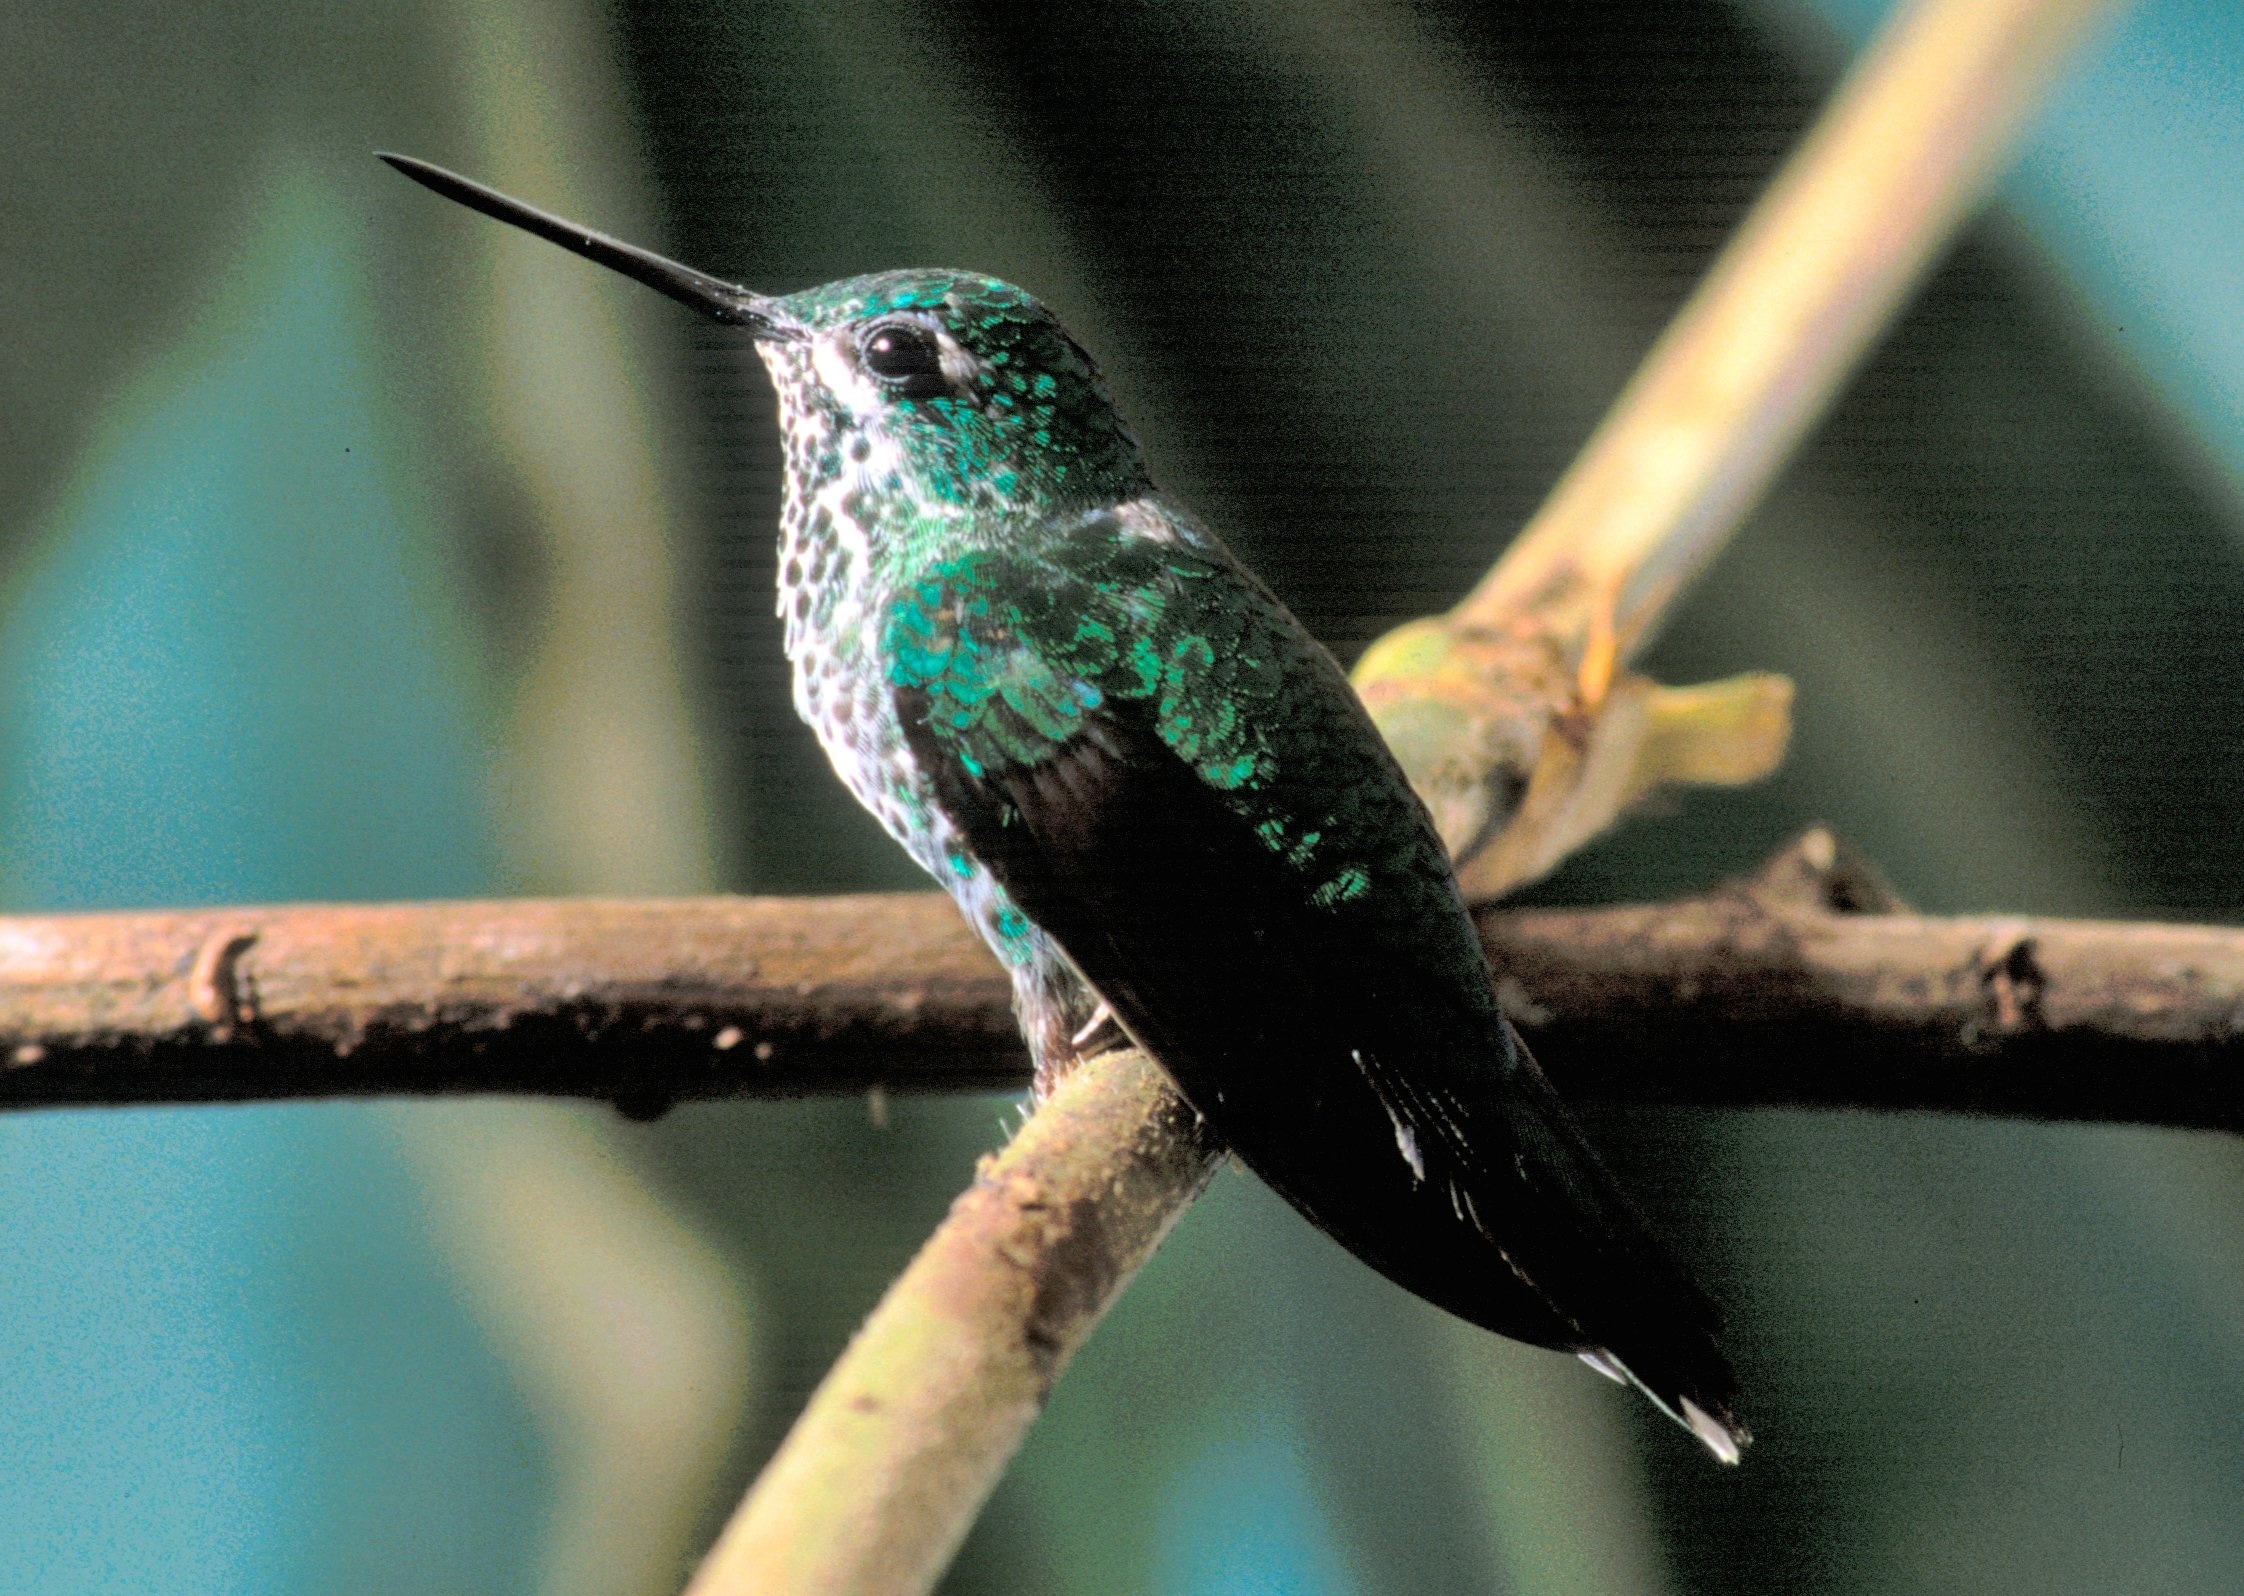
640 1002
1805 985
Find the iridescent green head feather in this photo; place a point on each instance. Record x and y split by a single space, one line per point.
950 394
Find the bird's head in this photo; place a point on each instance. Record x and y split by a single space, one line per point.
954 392
965 387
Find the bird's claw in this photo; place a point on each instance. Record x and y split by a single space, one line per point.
1098 1033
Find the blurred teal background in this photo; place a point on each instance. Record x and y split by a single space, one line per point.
357 548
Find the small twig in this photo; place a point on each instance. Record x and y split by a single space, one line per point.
881 1477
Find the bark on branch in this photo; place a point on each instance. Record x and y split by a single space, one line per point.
1805 985
638 1002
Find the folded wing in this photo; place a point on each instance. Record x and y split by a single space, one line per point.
1175 782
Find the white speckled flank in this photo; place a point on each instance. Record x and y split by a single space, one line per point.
839 470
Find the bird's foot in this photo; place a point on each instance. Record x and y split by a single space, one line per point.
1098 1033
1062 1052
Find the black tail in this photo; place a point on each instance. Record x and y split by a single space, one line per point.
1641 1319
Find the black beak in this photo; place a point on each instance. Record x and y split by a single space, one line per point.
719 300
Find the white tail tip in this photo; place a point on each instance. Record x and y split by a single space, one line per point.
1718 1440
1603 1363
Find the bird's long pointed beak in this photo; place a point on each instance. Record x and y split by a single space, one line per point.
712 296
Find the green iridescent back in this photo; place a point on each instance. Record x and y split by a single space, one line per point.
1017 652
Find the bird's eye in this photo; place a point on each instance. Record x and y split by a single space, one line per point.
906 358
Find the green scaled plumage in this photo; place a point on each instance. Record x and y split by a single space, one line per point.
1156 797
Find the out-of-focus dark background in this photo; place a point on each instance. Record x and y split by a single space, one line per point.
354 547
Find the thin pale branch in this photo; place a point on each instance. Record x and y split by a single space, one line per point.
1514 713
1895 164
882 1475
1805 985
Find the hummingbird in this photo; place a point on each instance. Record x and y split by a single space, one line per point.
1159 802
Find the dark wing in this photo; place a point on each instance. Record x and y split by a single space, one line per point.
1324 1006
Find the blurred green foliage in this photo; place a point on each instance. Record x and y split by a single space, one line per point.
355 547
